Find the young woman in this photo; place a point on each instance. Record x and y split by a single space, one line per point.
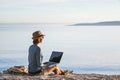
35 57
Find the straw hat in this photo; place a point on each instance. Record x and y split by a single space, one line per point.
37 34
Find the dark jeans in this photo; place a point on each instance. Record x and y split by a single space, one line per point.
33 73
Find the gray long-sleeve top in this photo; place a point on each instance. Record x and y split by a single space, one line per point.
34 58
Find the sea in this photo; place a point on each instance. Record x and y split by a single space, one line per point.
87 49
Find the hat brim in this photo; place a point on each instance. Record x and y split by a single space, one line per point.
38 36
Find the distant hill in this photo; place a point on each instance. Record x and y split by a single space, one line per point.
105 23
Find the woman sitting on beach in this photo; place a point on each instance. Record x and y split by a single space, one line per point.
35 57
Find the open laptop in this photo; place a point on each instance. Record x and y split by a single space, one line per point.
54 58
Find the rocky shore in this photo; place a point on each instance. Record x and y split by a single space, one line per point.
20 73
60 77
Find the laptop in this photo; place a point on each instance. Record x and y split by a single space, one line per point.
54 58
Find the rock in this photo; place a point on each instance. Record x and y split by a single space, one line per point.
16 70
61 77
16 73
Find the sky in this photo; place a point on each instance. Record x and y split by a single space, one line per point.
59 11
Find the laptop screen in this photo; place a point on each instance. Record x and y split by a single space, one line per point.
55 56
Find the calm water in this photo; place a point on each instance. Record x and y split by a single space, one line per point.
87 49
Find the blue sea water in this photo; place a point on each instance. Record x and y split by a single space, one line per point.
87 49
